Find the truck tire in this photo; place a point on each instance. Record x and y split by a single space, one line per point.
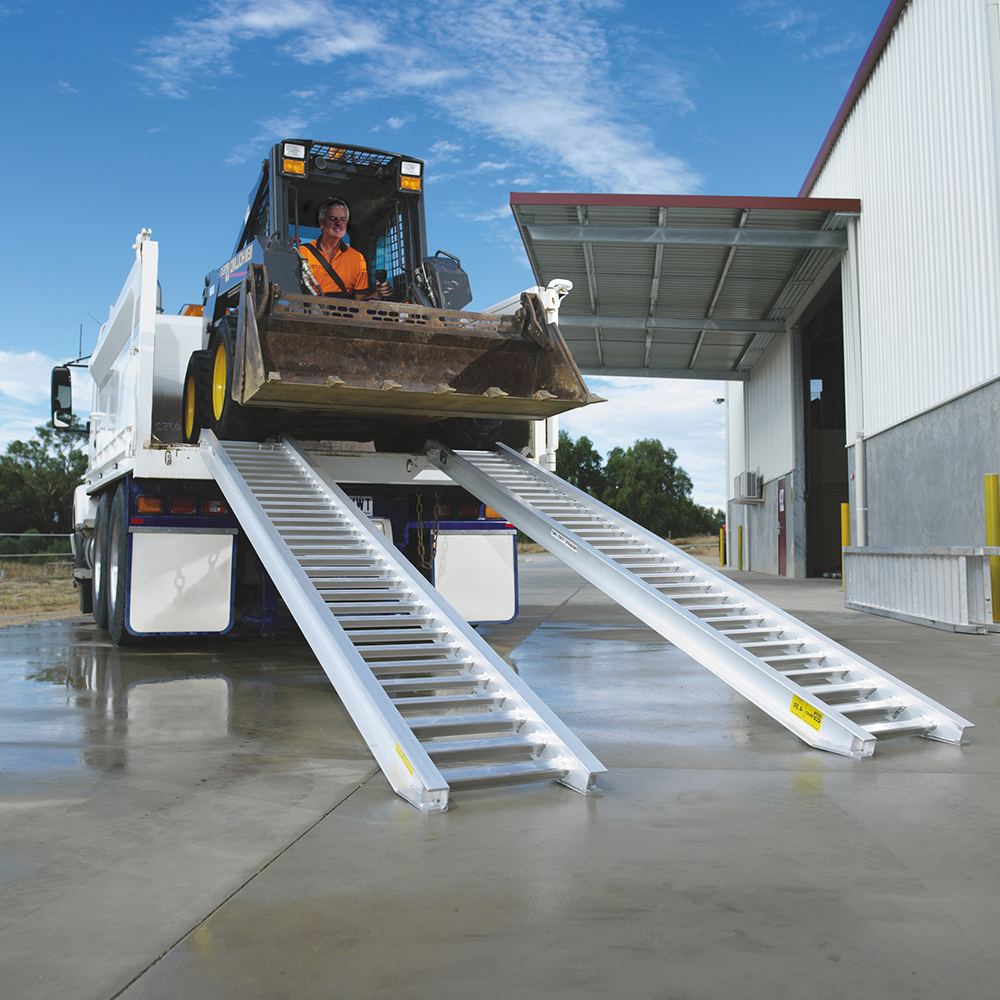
229 420
196 403
117 571
84 587
100 581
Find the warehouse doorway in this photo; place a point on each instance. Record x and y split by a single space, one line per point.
825 415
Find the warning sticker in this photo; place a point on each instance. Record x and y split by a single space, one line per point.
806 712
564 540
403 757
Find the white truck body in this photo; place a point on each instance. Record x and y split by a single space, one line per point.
183 580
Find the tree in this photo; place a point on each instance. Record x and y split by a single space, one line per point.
37 479
643 482
579 463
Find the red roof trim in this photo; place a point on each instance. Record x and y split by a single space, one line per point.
861 78
686 201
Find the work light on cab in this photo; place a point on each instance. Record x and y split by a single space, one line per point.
294 159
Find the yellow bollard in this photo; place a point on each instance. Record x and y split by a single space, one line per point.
845 536
722 546
992 484
739 548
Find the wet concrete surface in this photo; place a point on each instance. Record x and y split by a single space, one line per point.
204 821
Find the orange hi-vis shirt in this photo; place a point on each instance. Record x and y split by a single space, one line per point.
347 262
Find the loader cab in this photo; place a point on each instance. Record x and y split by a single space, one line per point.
384 191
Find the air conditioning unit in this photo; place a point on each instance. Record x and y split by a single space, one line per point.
748 487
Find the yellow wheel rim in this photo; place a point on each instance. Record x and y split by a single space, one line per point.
219 381
189 408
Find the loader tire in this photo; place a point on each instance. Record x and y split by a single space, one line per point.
229 420
197 399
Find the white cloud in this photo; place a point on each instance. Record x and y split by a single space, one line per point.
24 393
272 129
678 412
65 88
554 100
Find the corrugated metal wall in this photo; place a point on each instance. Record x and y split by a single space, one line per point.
918 149
770 411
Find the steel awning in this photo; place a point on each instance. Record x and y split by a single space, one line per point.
678 286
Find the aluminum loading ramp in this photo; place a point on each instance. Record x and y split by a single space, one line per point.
825 694
437 707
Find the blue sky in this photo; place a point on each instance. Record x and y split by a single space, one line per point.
124 115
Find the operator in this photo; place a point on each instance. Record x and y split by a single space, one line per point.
332 268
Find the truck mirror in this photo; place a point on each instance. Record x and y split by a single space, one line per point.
62 398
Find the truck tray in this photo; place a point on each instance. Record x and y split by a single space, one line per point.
384 359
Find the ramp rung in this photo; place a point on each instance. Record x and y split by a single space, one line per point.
471 722
904 727
793 658
442 702
394 685
815 672
419 650
497 746
418 667
374 609
491 775
379 620
826 691
887 706
401 632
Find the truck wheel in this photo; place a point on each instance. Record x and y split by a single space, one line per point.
229 420
100 580
117 571
197 400
84 587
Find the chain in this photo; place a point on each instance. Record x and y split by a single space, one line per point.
425 562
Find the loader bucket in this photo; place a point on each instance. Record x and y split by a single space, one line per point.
381 359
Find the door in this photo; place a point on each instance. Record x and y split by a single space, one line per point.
782 561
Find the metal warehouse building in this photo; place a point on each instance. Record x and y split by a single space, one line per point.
857 326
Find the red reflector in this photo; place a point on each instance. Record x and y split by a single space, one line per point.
137 520
468 510
214 507
182 505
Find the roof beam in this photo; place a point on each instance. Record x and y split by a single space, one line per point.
799 239
595 302
716 374
672 323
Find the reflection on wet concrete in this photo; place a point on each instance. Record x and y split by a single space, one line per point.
623 685
140 786
85 702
